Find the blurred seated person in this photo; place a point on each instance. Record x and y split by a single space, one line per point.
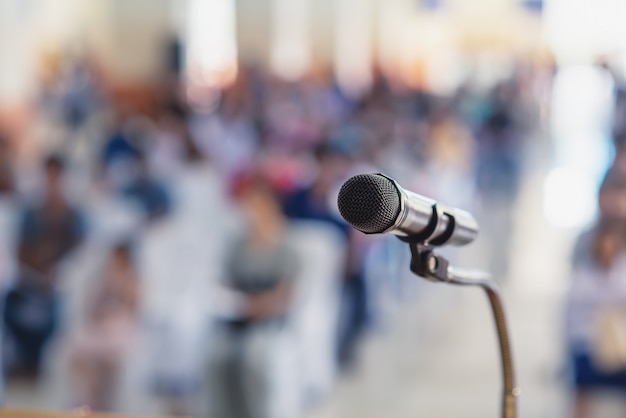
122 149
499 160
318 202
7 179
48 232
121 144
127 170
612 198
260 270
596 314
147 192
80 94
172 145
315 201
98 350
611 204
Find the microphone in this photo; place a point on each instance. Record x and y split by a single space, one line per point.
376 204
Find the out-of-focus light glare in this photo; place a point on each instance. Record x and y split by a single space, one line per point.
581 29
446 72
388 41
353 49
581 120
443 66
569 198
211 58
583 101
291 43
17 63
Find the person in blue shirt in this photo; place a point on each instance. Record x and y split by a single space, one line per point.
48 232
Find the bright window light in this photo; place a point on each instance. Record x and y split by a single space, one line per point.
291 43
582 29
211 58
353 47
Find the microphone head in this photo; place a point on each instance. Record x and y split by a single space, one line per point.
369 202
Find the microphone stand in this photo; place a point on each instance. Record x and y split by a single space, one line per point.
427 264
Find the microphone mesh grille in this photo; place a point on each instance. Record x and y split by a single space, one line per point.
369 202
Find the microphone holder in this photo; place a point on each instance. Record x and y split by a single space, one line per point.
431 266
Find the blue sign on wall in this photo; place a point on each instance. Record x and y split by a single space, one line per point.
533 5
431 4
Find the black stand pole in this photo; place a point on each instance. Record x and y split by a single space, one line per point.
427 264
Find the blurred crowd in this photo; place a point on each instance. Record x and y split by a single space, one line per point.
188 247
596 300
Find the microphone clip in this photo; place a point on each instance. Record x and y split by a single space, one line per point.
437 232
427 264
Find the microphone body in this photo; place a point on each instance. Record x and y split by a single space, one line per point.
375 204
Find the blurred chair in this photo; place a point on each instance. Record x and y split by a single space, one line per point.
181 258
321 249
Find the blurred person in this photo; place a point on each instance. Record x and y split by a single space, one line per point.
619 119
7 170
170 142
98 350
611 205
48 232
471 105
450 148
404 153
184 257
498 173
294 120
314 201
317 202
327 105
249 343
499 146
612 194
8 219
121 151
119 145
8 210
596 315
80 94
147 192
230 135
378 110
